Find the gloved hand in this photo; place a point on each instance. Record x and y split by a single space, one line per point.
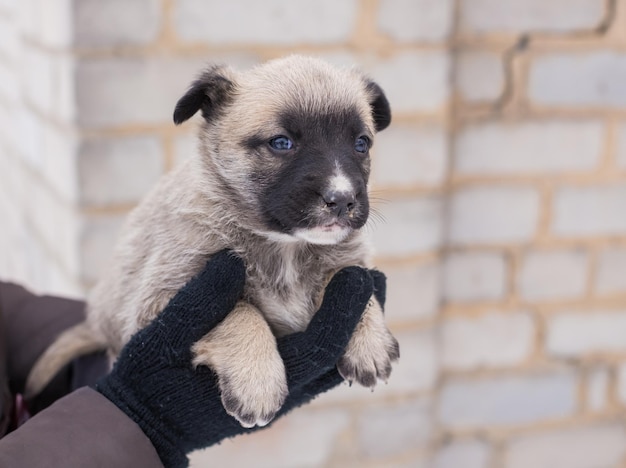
179 407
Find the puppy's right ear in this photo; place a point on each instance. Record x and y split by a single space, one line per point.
208 93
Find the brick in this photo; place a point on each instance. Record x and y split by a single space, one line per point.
597 389
479 76
9 39
60 170
464 453
302 438
411 225
55 223
394 429
489 340
9 85
117 91
119 170
184 147
116 22
46 22
8 6
621 383
10 128
271 22
535 147
97 240
30 137
581 447
552 275
37 139
582 333
589 210
414 81
514 16
507 400
121 91
416 371
47 82
415 20
621 146
487 214
421 152
611 271
474 276
413 292
579 79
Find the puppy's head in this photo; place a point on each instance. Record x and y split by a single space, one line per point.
290 140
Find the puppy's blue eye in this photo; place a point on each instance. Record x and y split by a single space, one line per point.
281 143
362 144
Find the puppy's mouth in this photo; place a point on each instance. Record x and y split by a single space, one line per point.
326 234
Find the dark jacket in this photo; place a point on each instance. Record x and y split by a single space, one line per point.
81 429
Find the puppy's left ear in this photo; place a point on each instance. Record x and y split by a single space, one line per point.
210 92
379 104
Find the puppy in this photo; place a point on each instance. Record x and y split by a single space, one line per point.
281 178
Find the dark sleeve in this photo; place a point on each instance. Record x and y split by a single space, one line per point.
31 323
82 429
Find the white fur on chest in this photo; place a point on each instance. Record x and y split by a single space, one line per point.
284 283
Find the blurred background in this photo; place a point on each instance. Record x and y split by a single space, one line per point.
502 183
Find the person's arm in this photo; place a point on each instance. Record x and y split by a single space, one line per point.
153 393
32 322
82 429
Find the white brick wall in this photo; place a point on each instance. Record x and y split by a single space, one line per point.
415 20
601 208
474 276
116 22
621 383
464 453
610 277
513 16
507 400
269 22
480 76
621 146
414 81
584 447
532 147
421 152
394 429
487 214
413 292
551 275
407 225
46 22
583 333
282 445
98 236
597 390
489 340
610 271
150 87
120 170
499 189
582 79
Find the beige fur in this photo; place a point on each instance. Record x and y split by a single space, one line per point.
190 215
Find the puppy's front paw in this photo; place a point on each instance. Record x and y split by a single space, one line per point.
371 350
242 351
253 392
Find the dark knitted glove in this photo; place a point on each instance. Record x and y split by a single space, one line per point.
179 408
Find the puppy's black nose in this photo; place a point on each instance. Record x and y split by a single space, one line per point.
339 203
